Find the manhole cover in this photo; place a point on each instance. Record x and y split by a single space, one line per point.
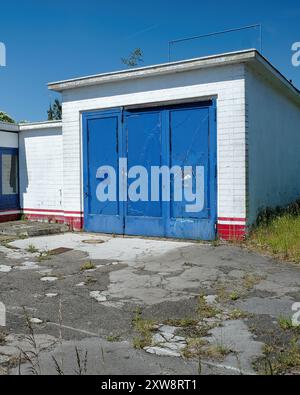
93 241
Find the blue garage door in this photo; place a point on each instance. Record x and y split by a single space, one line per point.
151 172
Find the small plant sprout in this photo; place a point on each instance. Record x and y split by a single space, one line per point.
87 266
32 249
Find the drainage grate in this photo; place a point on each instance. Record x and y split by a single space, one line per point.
61 250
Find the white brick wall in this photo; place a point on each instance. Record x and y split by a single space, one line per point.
226 83
41 168
273 128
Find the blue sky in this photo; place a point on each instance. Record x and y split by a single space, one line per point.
48 41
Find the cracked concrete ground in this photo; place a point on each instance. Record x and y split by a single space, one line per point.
94 309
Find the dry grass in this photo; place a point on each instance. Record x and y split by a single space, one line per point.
145 329
250 280
182 322
205 310
279 237
280 361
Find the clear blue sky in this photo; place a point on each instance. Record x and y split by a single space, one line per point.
48 41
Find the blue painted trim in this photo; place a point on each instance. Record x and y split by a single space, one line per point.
9 202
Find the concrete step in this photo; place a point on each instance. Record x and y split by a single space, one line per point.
31 229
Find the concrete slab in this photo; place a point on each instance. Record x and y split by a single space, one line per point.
157 279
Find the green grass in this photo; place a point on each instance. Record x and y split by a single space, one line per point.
87 266
113 338
32 249
279 236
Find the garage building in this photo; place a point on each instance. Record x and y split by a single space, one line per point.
235 115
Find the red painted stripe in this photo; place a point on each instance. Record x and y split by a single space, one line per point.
75 223
232 219
38 210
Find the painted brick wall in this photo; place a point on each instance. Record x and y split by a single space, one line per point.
8 139
41 172
226 83
273 130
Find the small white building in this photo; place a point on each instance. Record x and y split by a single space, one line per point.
234 115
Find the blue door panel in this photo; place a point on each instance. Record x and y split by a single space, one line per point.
102 146
144 142
189 147
193 143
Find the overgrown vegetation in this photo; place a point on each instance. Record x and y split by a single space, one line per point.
277 232
280 361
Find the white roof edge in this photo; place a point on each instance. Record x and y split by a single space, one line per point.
246 56
40 125
158 69
9 127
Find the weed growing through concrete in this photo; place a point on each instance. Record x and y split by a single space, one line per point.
145 329
89 280
182 322
250 280
237 314
234 296
87 266
205 310
2 338
32 249
113 338
286 323
44 256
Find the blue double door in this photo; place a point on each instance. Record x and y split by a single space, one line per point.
152 152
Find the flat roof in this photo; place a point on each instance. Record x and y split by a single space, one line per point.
246 56
40 125
9 127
